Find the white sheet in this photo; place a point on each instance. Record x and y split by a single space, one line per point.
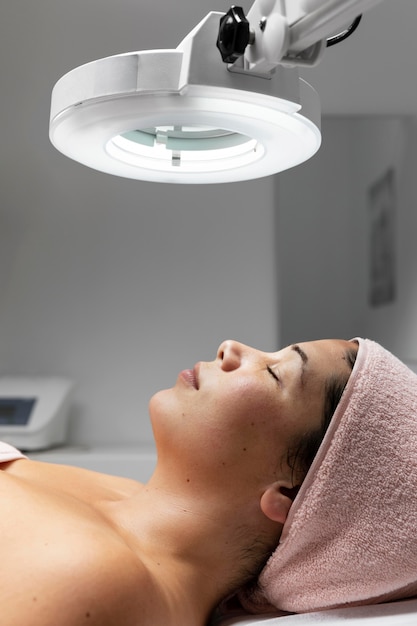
402 613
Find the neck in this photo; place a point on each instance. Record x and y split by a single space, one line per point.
192 545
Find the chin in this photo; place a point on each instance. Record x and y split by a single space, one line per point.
160 402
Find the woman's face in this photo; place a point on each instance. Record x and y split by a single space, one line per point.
239 414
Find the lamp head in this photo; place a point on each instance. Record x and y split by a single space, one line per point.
181 116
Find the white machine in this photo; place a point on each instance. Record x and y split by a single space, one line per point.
34 411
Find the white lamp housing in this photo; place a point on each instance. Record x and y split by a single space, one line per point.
180 116
185 116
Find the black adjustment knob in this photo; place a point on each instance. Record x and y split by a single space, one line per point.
234 34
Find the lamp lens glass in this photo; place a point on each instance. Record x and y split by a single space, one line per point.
191 147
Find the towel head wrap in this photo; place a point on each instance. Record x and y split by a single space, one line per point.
350 536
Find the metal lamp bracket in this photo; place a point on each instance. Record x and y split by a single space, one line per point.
293 32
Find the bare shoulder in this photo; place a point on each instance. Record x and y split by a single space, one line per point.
62 561
92 582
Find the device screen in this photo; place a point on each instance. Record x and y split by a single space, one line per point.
16 411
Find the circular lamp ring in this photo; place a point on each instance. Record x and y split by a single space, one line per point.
159 137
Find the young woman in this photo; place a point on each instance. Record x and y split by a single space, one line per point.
234 438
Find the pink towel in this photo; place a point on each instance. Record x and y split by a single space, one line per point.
350 537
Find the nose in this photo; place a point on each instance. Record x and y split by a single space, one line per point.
230 355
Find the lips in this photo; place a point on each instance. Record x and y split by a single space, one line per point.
190 377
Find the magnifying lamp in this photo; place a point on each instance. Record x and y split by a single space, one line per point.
226 105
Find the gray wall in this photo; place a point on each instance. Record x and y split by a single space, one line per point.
324 230
314 226
119 285
384 144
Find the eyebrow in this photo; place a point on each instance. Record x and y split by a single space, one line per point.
304 359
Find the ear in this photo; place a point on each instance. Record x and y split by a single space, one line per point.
276 501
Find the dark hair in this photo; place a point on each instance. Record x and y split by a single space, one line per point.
301 455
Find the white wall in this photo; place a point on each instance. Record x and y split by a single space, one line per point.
120 285
323 230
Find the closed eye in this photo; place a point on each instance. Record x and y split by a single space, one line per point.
271 371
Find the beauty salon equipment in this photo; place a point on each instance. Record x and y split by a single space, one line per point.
226 105
34 411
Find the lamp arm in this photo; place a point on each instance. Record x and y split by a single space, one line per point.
313 20
293 32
